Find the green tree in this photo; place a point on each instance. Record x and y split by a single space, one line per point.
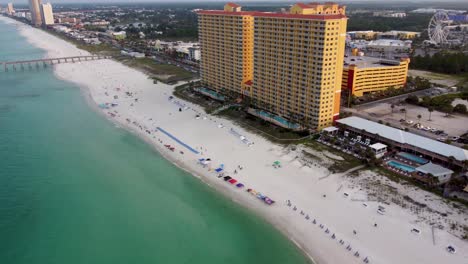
419 118
412 99
447 109
392 106
460 108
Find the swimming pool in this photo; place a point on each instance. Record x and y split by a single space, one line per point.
211 93
278 119
412 157
400 166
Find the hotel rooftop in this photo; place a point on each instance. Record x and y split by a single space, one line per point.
369 62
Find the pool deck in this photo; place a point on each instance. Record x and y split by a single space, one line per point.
293 126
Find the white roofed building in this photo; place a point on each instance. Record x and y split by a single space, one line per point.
433 170
395 138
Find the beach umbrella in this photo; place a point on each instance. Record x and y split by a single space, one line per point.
276 163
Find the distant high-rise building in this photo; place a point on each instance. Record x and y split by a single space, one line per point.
35 9
290 64
47 14
10 9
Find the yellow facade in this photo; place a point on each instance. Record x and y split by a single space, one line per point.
290 64
367 35
47 14
226 39
408 35
383 74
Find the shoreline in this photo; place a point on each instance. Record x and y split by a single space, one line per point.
291 225
219 189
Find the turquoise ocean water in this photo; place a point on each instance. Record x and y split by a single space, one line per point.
76 189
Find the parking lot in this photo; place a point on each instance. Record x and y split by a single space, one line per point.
453 126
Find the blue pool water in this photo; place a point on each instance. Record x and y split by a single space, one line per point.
212 93
278 119
413 158
401 166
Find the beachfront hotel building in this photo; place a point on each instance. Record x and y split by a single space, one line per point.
35 9
364 75
289 64
47 14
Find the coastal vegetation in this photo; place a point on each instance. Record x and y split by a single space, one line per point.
442 62
167 73
412 22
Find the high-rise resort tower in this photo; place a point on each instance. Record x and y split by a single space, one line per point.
35 9
289 64
47 14
10 10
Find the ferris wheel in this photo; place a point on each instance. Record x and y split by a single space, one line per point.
437 28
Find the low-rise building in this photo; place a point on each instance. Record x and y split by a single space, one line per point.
68 20
119 35
389 45
396 34
367 34
389 14
363 75
194 53
411 146
430 169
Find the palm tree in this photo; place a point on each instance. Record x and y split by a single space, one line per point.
392 106
419 118
404 111
430 109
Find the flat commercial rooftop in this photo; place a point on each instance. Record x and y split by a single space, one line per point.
434 169
404 137
368 62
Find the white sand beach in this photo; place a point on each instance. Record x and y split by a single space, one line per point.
305 186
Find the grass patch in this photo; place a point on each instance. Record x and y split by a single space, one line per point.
312 156
347 163
163 72
338 166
